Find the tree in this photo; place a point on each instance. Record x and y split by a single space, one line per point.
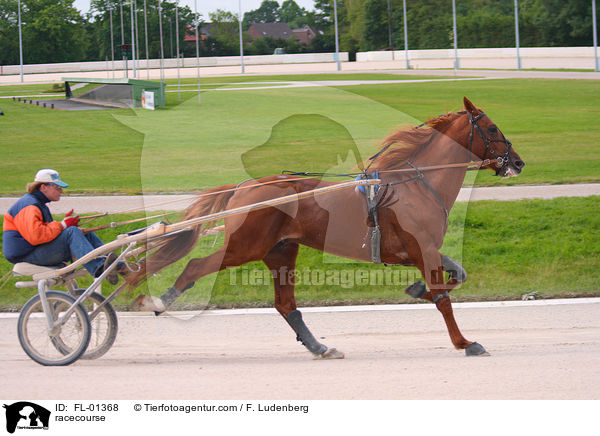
324 21
9 39
324 14
99 27
556 23
52 30
292 14
350 25
268 12
225 32
375 25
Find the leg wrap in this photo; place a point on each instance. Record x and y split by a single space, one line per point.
454 268
439 297
417 289
173 294
303 334
170 296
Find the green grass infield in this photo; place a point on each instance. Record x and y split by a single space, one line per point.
553 125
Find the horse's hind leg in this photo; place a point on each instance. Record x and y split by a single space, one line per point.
195 269
281 261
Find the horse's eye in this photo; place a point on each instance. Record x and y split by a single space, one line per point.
493 130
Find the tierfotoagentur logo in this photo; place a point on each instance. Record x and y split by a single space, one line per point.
345 278
24 415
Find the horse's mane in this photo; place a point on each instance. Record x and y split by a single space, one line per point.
404 144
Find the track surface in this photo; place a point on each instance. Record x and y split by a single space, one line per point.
539 351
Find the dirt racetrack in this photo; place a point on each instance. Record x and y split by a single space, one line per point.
538 351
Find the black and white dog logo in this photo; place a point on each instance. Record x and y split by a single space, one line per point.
26 415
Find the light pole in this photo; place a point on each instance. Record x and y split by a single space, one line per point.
241 38
112 42
594 26
123 40
177 47
137 32
132 39
20 42
162 53
171 35
456 65
389 10
146 37
197 23
337 42
517 33
406 37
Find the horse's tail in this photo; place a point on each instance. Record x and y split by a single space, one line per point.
174 247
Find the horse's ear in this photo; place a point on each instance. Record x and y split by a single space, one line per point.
470 107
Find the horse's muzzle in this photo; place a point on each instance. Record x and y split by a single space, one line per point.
512 169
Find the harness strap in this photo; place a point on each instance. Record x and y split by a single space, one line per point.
421 176
371 192
376 230
501 161
376 155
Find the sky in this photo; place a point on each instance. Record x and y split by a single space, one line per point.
207 6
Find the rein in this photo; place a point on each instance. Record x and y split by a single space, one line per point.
122 223
162 203
473 165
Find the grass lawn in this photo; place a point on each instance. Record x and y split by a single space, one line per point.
211 82
185 147
551 247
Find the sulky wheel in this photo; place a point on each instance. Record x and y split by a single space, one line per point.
61 345
104 325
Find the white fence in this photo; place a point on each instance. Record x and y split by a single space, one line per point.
469 58
499 58
217 61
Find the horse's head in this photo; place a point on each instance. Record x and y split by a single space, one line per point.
490 143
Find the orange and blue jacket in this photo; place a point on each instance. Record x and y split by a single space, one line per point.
26 224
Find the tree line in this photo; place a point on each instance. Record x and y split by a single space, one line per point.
55 31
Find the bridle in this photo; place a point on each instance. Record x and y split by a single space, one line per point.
501 161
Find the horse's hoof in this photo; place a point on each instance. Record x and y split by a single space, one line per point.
476 349
148 303
331 353
417 289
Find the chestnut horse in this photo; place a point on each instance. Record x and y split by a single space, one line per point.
412 215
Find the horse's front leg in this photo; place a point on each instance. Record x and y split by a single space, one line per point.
453 268
432 267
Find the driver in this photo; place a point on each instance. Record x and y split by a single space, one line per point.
31 235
